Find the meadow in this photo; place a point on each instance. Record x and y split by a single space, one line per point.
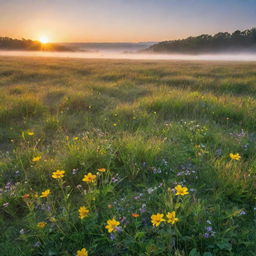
126 157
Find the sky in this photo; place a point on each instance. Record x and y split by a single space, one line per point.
122 20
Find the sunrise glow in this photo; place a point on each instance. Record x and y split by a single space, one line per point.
44 39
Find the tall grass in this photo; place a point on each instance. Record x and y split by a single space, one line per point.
152 125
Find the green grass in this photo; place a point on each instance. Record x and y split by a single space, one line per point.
153 125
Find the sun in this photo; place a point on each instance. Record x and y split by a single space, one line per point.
43 39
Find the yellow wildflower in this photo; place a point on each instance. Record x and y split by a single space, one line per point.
82 252
112 225
83 212
89 178
46 193
171 217
235 156
36 158
30 133
75 138
102 169
156 219
181 190
41 224
58 174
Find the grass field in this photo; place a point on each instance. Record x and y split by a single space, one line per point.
148 126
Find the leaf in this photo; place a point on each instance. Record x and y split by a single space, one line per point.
139 235
224 245
177 206
207 254
194 252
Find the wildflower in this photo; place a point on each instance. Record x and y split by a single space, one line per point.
37 244
89 178
102 169
58 174
156 219
171 217
41 224
209 229
242 213
74 171
112 236
151 190
181 190
143 208
82 252
75 138
235 156
157 170
116 178
22 231
45 193
112 225
206 235
25 196
209 232
30 133
119 229
135 215
114 124
36 158
83 212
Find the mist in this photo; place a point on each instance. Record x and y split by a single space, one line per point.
135 56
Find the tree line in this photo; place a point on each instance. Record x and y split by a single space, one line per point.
7 43
220 42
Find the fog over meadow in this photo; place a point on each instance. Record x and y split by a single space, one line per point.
105 54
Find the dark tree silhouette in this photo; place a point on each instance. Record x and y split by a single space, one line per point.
7 43
220 42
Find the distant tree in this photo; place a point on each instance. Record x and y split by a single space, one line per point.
220 42
7 43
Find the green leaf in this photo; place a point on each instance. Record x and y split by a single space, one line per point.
194 252
139 235
224 245
207 254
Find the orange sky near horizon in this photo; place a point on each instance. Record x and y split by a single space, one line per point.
122 20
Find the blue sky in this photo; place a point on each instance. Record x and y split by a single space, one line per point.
123 20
